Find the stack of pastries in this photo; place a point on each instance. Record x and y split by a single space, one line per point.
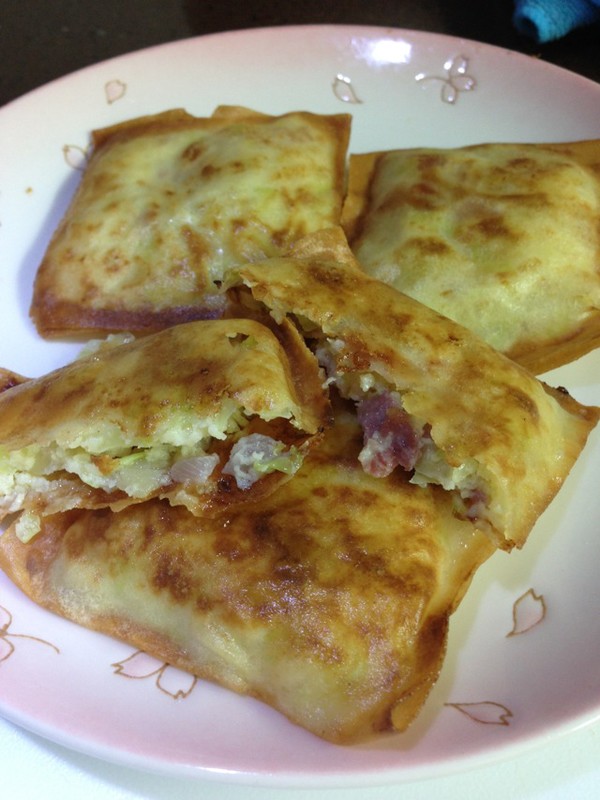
308 408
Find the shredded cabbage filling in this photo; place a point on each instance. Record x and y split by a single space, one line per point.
36 472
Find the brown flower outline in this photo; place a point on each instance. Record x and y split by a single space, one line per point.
528 611
75 156
486 712
114 90
7 648
167 679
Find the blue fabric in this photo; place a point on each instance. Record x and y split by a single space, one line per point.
545 20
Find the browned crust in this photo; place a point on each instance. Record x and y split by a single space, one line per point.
557 352
448 371
9 379
142 381
536 358
55 316
362 167
311 574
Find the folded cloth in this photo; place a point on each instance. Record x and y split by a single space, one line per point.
545 20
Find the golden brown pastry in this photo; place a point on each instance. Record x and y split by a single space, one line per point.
433 398
205 414
168 201
328 600
503 238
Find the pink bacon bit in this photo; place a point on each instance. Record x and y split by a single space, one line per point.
390 440
475 503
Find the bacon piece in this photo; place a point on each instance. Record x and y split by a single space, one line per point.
390 439
475 503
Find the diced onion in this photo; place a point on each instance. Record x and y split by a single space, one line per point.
197 469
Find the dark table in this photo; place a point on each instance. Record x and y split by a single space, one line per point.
44 39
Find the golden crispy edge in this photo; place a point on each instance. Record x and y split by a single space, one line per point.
58 319
329 244
170 119
558 352
361 169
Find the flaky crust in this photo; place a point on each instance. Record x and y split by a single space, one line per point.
328 600
524 436
169 384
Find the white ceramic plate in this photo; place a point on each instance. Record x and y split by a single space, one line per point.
498 693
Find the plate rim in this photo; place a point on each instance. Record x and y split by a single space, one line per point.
392 775
339 28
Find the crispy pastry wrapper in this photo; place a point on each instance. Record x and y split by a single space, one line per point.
137 419
501 237
329 599
168 201
513 437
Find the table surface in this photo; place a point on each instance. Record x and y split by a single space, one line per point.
41 41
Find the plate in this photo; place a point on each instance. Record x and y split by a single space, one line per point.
525 644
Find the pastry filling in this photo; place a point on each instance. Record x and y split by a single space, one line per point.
31 475
393 438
